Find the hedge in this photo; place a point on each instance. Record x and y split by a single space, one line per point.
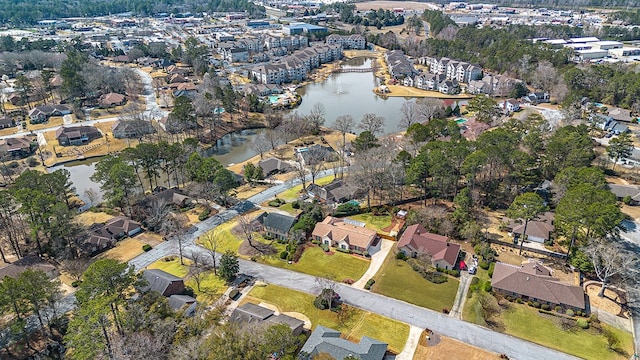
276 202
283 254
325 247
455 273
491 268
204 214
432 276
146 247
346 251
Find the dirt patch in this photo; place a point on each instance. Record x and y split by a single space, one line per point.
150 238
89 218
611 302
448 349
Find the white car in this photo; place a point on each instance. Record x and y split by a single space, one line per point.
472 270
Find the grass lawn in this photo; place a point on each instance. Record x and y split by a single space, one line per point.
124 250
525 322
376 223
88 218
211 286
360 323
398 280
288 207
292 194
315 261
226 240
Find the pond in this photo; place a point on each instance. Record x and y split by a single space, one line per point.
351 93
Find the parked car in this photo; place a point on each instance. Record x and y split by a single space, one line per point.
473 269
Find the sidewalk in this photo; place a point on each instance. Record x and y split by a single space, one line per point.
377 260
411 344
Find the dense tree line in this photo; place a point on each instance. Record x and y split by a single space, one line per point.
29 12
611 84
629 17
378 18
437 21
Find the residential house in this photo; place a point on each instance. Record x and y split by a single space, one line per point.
631 192
173 196
509 106
6 122
621 115
162 282
184 303
17 147
40 114
33 262
272 166
276 225
104 236
324 340
176 78
56 81
256 315
346 234
537 97
337 191
111 100
77 135
132 129
416 240
533 281
606 123
538 230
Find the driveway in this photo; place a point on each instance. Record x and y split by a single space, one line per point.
375 264
461 295
411 345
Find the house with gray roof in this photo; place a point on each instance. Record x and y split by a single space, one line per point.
326 340
272 166
623 191
182 302
162 282
276 225
257 315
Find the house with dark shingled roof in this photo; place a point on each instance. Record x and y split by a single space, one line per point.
326 340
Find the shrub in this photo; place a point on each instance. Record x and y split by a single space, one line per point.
519 301
188 290
445 311
146 247
483 264
536 305
284 254
348 281
570 313
487 286
170 258
32 162
325 247
204 214
558 308
594 319
583 323
365 254
369 284
276 202
546 307
295 205
401 256
76 283
290 257
315 242
319 303
429 275
491 268
357 252
347 209
346 251
475 280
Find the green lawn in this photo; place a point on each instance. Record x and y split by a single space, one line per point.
292 194
376 223
315 261
525 322
211 286
360 323
225 239
398 280
288 207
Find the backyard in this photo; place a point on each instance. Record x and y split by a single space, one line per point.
398 280
292 193
358 324
211 286
374 222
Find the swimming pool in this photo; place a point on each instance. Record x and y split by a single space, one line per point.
461 121
274 99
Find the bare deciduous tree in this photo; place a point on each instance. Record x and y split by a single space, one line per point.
92 195
545 77
316 117
211 244
314 161
76 267
273 138
410 114
197 269
372 123
609 260
344 124
245 227
175 227
156 213
429 108
261 145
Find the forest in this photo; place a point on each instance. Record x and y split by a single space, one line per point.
19 12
